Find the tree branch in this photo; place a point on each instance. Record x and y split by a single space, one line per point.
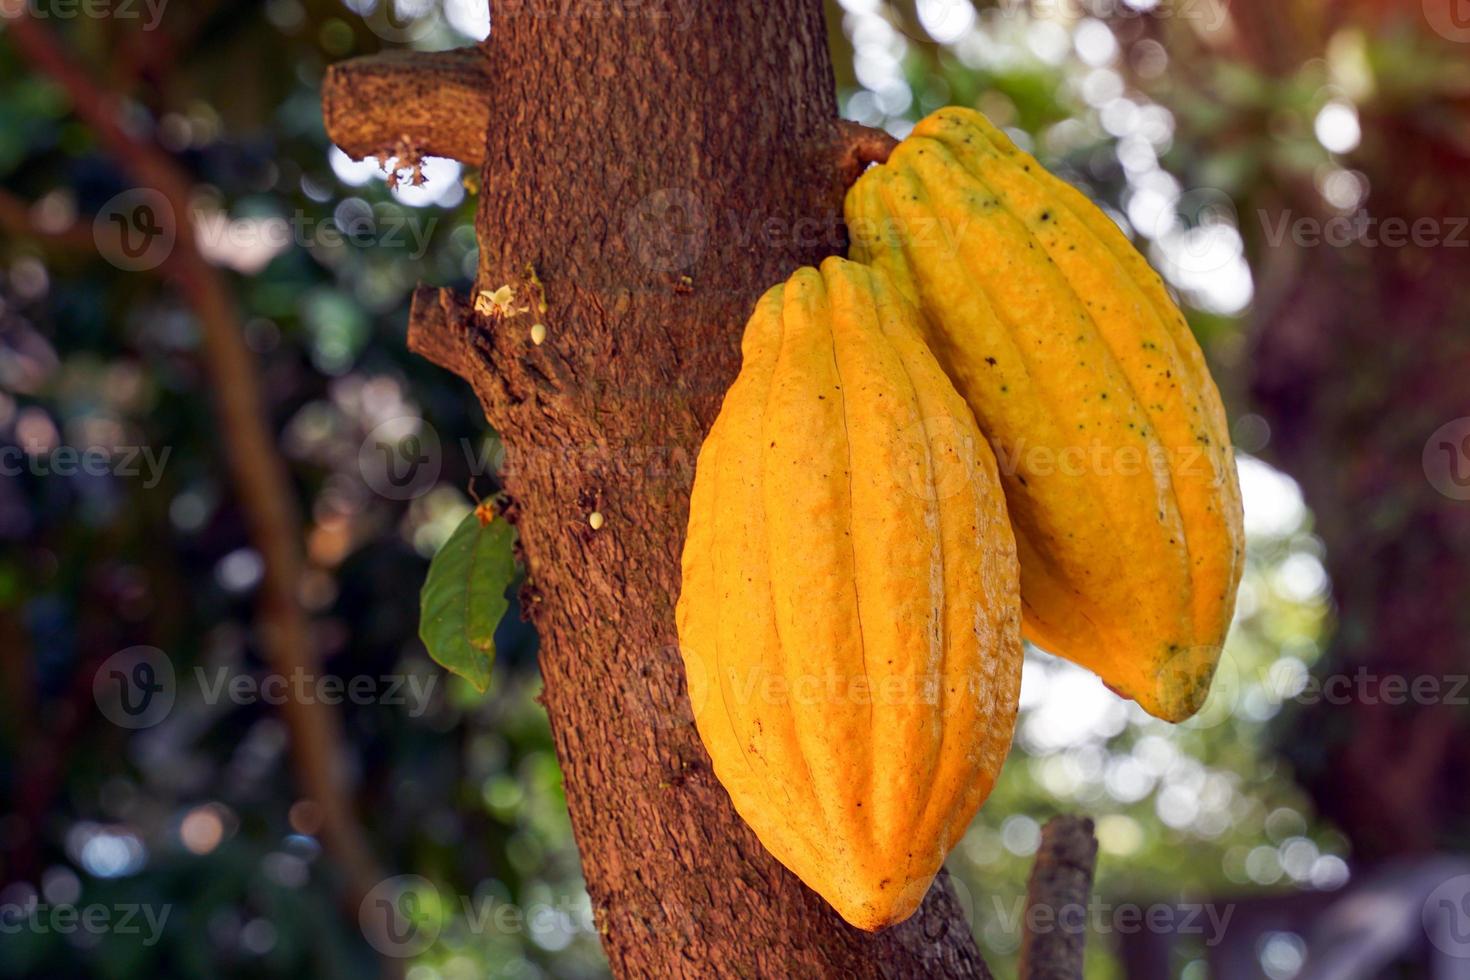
410 104
858 146
257 471
1056 901
434 331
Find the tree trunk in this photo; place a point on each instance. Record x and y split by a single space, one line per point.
1365 358
1358 361
650 169
1360 366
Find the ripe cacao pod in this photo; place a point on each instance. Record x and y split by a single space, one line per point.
1084 375
850 611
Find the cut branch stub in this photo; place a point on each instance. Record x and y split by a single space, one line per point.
410 104
858 146
444 329
436 328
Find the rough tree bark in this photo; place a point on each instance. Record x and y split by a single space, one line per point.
648 172
1055 935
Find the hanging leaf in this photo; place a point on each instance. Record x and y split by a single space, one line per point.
464 595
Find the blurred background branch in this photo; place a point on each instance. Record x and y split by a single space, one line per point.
259 475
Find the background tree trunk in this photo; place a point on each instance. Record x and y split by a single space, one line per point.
1357 358
654 167
1360 358
1360 355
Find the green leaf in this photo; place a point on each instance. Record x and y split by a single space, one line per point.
464 596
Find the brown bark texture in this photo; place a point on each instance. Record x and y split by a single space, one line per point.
407 104
649 170
1055 936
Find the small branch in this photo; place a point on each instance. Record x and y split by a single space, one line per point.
17 217
444 329
1056 901
858 146
434 331
410 104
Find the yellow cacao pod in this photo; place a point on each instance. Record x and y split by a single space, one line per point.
850 611
1109 432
